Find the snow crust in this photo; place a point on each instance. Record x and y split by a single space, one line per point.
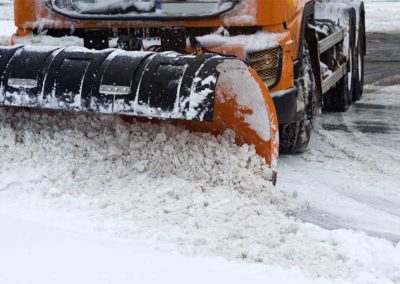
146 8
43 40
142 6
192 7
255 42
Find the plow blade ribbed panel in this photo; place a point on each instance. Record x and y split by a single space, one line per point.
164 85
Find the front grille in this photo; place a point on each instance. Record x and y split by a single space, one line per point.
267 64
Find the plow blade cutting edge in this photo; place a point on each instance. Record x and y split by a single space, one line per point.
207 93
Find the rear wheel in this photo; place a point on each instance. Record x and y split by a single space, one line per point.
295 136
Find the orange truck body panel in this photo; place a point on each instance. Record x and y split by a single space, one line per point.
272 15
275 16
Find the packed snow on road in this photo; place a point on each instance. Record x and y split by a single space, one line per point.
95 199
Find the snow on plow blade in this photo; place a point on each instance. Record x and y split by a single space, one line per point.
204 93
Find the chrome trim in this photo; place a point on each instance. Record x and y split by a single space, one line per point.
22 83
114 90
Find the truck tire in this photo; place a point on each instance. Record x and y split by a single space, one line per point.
295 136
360 52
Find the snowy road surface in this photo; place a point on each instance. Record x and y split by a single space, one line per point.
351 173
354 157
71 257
91 199
383 59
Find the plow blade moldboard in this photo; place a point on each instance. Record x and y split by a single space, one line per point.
162 85
208 93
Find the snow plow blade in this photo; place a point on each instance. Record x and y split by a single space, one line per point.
208 93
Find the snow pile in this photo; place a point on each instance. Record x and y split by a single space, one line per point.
169 188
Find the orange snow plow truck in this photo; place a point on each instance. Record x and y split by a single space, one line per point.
262 68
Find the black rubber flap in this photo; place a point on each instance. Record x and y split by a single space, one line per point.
164 85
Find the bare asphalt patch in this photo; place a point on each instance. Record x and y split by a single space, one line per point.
382 63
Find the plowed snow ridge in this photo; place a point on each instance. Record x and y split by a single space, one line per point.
197 193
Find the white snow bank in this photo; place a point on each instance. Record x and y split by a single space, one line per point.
382 16
6 10
192 193
51 255
7 28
